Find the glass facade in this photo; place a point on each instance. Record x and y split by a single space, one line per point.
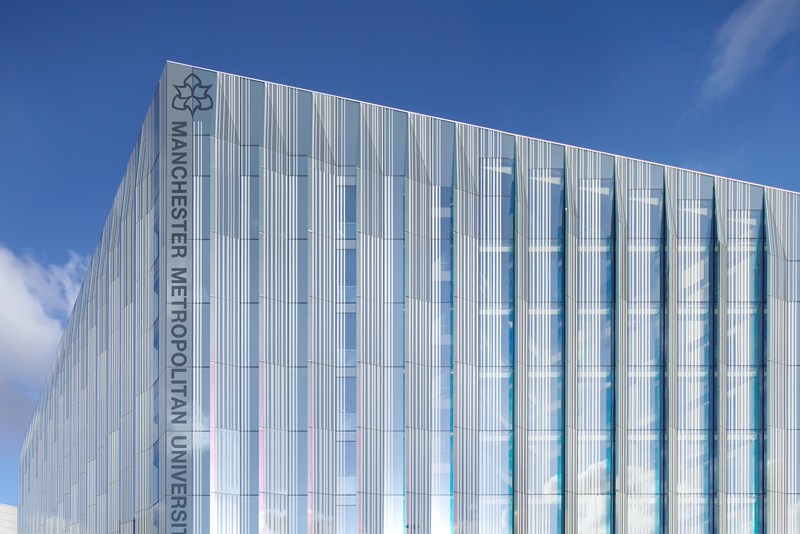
307 314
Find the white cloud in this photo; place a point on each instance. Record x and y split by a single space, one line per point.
35 301
744 40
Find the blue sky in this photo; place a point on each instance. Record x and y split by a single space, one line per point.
712 85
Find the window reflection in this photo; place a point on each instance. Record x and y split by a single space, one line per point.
595 208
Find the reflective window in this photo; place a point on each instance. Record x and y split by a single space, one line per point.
595 208
645 213
695 218
546 196
545 278
644 270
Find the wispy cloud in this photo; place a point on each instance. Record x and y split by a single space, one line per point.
35 301
744 40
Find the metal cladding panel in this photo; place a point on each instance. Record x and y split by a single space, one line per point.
483 345
429 214
590 317
641 336
307 314
740 358
783 362
539 337
381 321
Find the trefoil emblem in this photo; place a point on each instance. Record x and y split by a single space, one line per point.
192 95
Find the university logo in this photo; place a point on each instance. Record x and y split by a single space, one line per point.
192 95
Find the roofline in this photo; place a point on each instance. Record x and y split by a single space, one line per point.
492 129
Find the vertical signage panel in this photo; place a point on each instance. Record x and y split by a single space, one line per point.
184 95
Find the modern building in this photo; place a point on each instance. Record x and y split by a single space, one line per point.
8 519
308 314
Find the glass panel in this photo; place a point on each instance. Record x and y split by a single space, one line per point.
595 208
595 282
347 403
594 513
497 176
545 392
644 270
544 512
496 268
693 455
544 474
442 402
744 276
545 336
693 410
644 462
441 514
695 218
545 277
645 340
644 398
494 399
743 513
496 217
441 464
495 337
643 514
645 213
595 409
694 271
742 403
494 513
742 462
347 259
546 203
594 336
495 469
744 224
694 335
693 513
594 462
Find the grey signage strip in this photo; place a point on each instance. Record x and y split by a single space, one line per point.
184 94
